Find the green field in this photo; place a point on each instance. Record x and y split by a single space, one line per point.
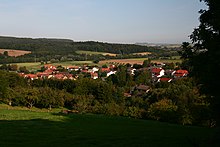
33 66
30 66
95 53
20 127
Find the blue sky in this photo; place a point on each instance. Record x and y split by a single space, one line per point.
118 21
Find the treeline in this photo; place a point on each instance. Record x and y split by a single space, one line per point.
64 49
177 102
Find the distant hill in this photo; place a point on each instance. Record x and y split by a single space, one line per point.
58 46
44 49
168 45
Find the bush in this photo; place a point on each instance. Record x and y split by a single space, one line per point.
163 110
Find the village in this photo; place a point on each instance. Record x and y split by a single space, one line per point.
158 73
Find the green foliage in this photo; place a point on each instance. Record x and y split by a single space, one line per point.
143 77
146 63
202 59
164 110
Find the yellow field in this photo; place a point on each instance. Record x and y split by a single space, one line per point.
15 53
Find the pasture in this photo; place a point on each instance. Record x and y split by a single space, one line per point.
33 127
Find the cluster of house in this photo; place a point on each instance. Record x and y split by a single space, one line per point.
51 72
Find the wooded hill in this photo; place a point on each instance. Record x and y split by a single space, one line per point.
59 46
46 49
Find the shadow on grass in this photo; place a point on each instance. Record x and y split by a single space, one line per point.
98 130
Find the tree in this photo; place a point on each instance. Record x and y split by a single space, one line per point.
164 110
146 63
5 53
204 63
30 96
23 69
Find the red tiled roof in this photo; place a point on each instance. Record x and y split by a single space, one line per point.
84 70
181 73
105 69
73 67
156 70
165 79
31 76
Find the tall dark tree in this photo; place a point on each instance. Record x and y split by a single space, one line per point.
205 61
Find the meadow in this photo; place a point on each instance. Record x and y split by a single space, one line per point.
95 53
33 66
36 127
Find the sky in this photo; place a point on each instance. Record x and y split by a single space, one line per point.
114 21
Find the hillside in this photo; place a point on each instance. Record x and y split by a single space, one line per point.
61 45
21 127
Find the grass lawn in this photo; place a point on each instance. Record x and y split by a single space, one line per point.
21 127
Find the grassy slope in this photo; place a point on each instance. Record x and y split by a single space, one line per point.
28 128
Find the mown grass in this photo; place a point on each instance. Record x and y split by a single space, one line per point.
35 128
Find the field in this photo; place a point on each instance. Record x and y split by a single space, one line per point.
140 61
14 52
124 61
32 66
143 53
21 127
95 53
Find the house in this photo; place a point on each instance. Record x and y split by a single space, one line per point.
127 95
49 71
43 75
105 69
73 68
180 73
143 88
31 76
84 71
111 73
169 72
51 67
58 76
94 75
95 69
112 66
164 80
157 72
133 71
